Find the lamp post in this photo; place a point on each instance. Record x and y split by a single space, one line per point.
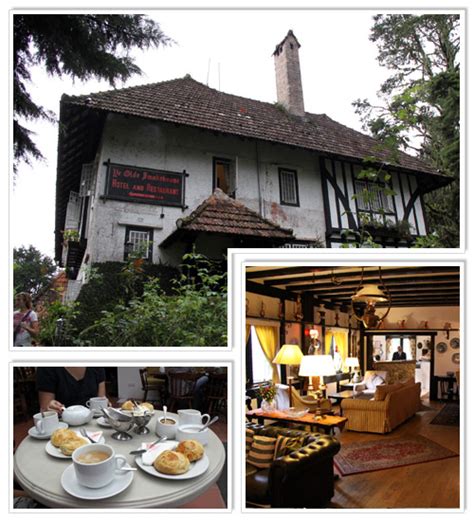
289 354
319 365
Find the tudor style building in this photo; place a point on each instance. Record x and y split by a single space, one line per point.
176 164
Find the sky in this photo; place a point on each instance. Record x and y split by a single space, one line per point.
338 65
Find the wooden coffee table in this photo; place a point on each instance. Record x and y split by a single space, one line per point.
325 423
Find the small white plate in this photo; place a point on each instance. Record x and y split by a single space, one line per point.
196 468
35 434
71 486
56 453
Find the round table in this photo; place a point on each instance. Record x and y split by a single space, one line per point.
40 474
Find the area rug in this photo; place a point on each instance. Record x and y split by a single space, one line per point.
449 415
386 454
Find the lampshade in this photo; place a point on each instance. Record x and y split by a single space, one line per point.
316 365
370 293
289 354
352 361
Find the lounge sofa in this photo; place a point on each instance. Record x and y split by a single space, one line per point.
302 479
391 406
308 401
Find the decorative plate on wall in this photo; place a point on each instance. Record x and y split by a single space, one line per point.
455 358
442 347
454 343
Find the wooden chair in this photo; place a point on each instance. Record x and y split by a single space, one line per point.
152 384
181 389
216 393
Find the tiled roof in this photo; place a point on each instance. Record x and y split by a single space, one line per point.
188 102
221 214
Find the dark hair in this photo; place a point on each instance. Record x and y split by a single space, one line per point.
26 298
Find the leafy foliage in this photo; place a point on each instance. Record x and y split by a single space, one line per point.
56 324
419 104
32 271
194 314
79 46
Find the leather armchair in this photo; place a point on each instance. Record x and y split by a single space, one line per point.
301 479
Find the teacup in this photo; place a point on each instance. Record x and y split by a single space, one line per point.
193 417
97 403
192 432
96 465
47 422
166 427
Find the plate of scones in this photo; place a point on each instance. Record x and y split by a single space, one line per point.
171 460
64 442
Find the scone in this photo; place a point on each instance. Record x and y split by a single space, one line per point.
69 446
171 462
128 405
192 449
59 436
148 406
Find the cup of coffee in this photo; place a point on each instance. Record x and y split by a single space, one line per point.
193 417
166 427
96 465
97 403
192 432
47 422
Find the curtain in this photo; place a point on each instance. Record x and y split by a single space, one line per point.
336 346
247 333
268 338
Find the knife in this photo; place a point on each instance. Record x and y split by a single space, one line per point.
142 451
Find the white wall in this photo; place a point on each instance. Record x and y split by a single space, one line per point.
133 141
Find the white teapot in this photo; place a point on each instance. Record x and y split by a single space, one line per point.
77 415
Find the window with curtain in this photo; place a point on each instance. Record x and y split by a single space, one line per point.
261 368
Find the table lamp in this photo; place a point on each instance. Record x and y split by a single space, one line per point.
352 362
317 365
289 354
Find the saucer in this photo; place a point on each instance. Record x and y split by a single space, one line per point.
35 434
72 487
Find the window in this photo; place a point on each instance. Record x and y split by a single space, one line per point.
288 187
139 240
261 369
224 175
372 200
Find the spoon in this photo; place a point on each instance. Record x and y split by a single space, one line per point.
209 423
165 410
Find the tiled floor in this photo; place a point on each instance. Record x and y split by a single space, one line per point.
212 498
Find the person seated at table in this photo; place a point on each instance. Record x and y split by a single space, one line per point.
60 387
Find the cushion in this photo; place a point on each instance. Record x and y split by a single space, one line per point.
410 381
382 390
249 434
286 445
373 380
261 452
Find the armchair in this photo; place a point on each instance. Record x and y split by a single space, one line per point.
302 479
308 401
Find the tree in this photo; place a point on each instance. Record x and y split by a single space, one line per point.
32 271
79 46
419 109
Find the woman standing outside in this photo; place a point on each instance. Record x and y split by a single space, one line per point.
25 321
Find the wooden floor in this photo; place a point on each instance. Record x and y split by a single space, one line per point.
425 485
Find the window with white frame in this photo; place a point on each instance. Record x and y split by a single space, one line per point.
261 367
288 187
139 240
224 175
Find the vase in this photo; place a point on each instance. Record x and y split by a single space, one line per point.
268 406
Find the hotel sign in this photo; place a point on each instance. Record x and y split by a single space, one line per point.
145 185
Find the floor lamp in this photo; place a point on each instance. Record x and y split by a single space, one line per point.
289 354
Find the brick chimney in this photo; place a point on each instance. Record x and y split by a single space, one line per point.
288 75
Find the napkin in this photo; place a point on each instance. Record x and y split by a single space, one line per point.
149 457
95 435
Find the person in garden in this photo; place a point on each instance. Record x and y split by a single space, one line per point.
25 321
